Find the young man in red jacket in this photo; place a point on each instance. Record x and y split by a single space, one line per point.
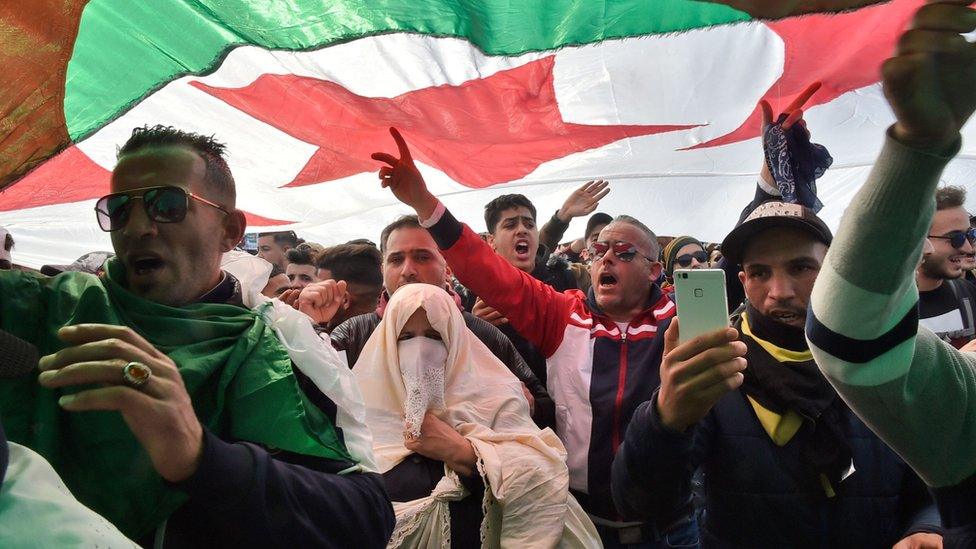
603 349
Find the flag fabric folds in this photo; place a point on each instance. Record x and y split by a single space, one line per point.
660 98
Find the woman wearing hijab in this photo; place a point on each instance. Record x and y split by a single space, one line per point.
463 462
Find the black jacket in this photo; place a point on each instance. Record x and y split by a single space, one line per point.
351 337
416 477
752 495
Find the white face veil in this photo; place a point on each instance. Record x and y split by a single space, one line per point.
401 380
422 362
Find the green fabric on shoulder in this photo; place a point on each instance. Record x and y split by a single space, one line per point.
237 373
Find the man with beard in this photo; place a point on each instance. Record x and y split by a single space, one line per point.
946 300
786 463
165 404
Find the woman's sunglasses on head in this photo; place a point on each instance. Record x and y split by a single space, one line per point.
164 204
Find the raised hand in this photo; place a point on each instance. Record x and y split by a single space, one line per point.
402 177
697 374
322 300
794 116
159 413
583 200
930 81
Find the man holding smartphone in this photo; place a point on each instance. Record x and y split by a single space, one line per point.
779 448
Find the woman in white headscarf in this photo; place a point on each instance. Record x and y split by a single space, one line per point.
463 461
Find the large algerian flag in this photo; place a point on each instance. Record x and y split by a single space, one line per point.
494 96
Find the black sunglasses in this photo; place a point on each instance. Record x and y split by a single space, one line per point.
957 239
685 260
624 251
165 204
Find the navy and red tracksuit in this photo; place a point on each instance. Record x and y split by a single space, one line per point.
597 373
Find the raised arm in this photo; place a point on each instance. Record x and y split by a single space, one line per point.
916 392
581 202
535 310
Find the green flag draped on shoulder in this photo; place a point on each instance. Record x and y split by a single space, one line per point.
236 372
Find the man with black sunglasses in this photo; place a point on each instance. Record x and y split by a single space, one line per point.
166 404
946 300
602 350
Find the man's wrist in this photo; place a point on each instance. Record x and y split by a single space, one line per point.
667 423
426 206
434 216
934 144
464 458
194 455
562 217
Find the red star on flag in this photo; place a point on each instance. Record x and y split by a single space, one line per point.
844 52
483 132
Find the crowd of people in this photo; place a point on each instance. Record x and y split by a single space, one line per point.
514 387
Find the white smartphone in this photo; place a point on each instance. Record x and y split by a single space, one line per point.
701 300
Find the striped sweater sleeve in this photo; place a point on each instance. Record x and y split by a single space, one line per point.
915 391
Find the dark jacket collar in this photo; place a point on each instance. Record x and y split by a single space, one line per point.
227 291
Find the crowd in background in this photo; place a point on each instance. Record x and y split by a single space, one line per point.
440 386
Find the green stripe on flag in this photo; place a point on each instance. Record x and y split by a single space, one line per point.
126 49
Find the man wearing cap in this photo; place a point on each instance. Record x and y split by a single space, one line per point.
786 463
168 406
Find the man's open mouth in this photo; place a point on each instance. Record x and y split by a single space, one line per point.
785 316
607 280
522 248
146 264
